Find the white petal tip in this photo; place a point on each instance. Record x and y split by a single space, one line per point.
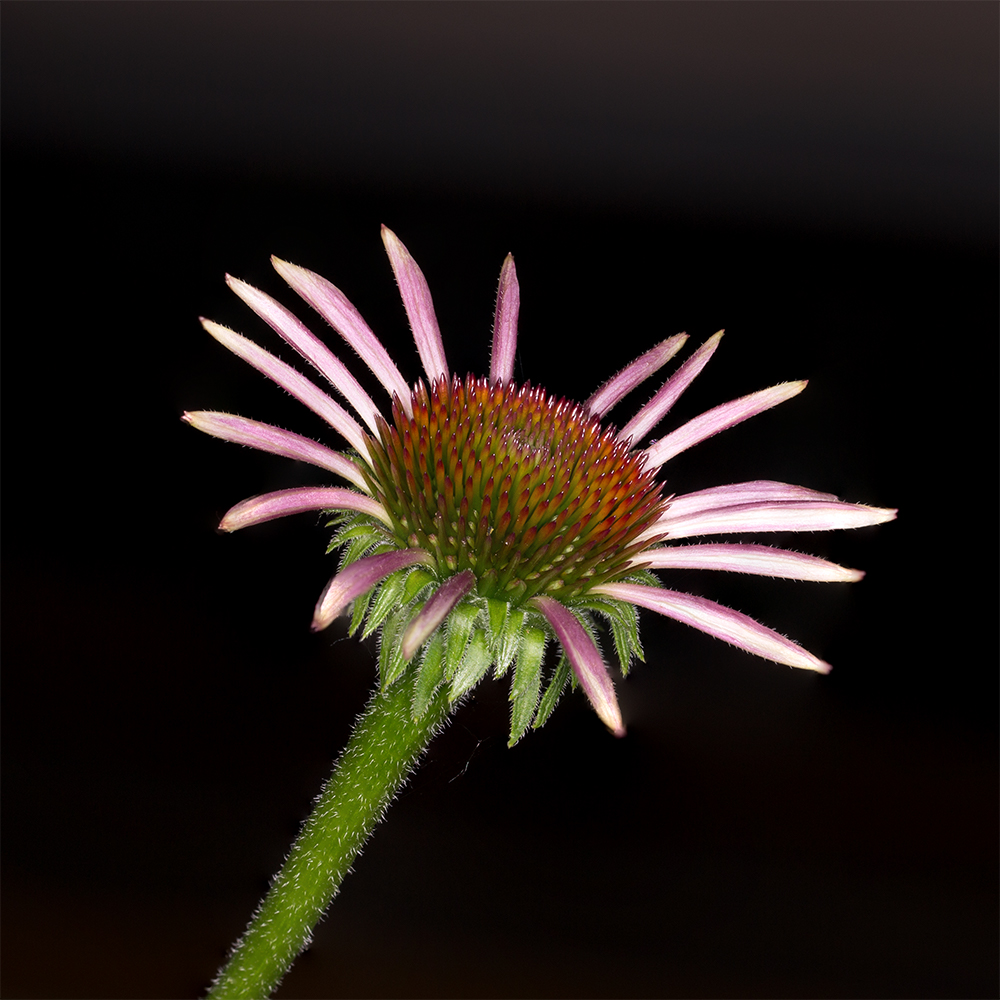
217 330
609 713
243 289
874 515
285 268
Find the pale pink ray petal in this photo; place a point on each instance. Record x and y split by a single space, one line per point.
791 515
358 578
632 375
267 437
505 323
671 390
734 493
761 560
295 332
719 419
293 382
731 495
416 298
724 623
334 306
437 608
281 503
586 661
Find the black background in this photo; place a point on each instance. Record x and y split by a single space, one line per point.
818 179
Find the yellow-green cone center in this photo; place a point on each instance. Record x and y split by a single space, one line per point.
527 491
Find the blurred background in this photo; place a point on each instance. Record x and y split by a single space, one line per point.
818 179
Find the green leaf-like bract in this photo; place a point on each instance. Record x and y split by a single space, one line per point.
479 632
527 682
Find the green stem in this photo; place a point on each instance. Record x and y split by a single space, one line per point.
383 750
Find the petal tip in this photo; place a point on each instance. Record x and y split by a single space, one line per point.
389 237
239 286
214 329
285 268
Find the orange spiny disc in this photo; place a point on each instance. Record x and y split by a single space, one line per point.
527 491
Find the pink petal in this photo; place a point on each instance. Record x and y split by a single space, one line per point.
586 661
334 306
267 437
291 381
358 579
733 493
437 608
724 623
416 298
761 560
658 407
296 333
269 506
505 324
719 419
617 388
729 496
808 515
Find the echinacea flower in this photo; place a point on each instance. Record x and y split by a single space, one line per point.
484 519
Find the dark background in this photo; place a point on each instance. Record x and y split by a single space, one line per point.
818 179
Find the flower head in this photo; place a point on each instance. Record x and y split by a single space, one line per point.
485 519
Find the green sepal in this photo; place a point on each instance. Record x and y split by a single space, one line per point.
387 600
644 576
358 611
526 683
624 620
553 692
625 629
498 615
390 655
510 641
474 664
358 538
430 674
459 628
415 582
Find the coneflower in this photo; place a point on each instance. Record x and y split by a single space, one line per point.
485 519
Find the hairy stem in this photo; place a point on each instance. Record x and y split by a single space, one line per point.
384 748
